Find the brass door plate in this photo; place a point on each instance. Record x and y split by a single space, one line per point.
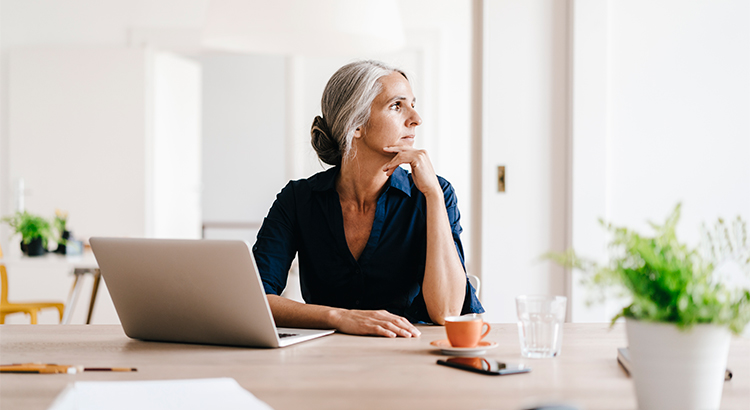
501 178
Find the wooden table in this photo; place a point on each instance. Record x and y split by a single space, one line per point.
347 372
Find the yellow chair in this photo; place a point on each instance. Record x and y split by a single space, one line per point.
30 308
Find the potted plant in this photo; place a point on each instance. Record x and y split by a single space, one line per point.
34 230
60 223
682 308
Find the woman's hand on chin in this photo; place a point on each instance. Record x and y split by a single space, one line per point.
374 323
421 168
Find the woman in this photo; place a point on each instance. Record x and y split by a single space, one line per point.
379 248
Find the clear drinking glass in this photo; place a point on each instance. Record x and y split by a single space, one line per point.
540 321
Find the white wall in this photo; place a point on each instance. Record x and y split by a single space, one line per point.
77 136
49 23
94 22
673 119
243 136
177 139
525 129
656 98
679 111
4 186
588 144
111 136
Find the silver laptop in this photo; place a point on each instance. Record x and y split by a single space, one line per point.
191 291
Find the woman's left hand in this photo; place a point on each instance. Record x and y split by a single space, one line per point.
421 168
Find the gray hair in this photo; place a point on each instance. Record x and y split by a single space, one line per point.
345 106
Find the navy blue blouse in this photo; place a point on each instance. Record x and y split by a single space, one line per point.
306 218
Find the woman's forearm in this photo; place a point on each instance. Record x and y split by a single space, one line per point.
289 313
444 285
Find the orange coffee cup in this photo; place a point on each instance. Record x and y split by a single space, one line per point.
466 330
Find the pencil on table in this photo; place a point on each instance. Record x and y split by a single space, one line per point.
58 368
110 369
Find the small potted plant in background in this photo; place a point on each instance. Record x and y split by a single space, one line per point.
60 223
682 308
35 231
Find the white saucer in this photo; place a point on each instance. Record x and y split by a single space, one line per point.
447 349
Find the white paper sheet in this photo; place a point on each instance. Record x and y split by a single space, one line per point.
222 393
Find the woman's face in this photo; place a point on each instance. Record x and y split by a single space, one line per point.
393 119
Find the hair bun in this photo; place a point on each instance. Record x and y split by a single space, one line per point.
319 124
325 145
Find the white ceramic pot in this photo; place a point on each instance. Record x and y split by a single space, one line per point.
677 369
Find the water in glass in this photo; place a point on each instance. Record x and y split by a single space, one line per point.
540 320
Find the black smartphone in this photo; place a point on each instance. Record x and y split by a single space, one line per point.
485 366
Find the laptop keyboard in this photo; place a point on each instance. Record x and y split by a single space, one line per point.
283 335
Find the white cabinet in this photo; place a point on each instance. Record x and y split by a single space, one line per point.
111 135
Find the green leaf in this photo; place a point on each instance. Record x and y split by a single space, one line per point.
29 226
666 280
